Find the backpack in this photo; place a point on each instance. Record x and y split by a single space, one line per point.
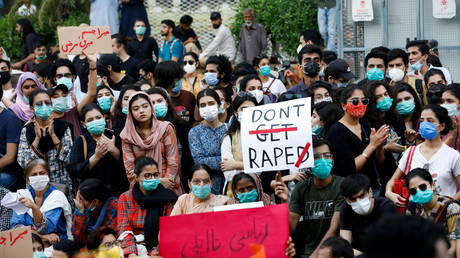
172 46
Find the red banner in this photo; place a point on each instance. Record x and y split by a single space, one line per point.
226 233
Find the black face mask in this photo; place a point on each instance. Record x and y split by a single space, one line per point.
311 69
5 77
434 94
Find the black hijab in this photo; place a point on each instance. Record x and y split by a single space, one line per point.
154 203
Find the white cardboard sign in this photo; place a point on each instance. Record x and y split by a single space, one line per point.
444 9
362 10
274 136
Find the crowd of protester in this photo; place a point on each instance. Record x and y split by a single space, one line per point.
99 147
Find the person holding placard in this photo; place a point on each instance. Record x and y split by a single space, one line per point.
200 199
205 138
359 149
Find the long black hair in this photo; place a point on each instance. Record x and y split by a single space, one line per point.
372 116
237 102
119 106
27 28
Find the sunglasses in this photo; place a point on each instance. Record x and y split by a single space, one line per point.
355 102
190 62
289 96
244 94
422 187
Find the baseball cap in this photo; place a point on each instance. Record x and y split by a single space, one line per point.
340 68
62 87
109 59
215 16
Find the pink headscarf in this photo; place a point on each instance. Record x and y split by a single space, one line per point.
150 145
21 108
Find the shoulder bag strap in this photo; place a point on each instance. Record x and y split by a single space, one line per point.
409 159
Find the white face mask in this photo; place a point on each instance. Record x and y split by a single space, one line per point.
396 74
209 113
38 183
258 94
222 107
188 68
299 48
362 206
239 116
326 99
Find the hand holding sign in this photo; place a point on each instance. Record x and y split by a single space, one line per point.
75 40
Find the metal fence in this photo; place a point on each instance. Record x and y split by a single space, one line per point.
394 22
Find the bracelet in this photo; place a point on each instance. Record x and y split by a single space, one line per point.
365 155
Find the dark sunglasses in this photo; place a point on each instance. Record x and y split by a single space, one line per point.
244 94
422 187
190 62
355 102
289 96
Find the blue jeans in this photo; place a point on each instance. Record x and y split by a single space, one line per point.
7 180
327 26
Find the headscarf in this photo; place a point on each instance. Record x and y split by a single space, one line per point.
157 131
265 198
21 108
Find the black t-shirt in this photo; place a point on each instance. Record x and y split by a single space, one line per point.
130 66
358 224
126 80
183 35
185 105
144 49
82 70
347 146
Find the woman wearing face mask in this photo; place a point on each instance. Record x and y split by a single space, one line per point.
440 160
407 110
359 148
192 78
431 205
38 246
27 83
46 139
451 102
106 102
97 153
140 208
321 92
252 84
121 108
145 135
232 154
166 111
248 188
225 102
200 199
49 213
94 209
269 84
324 115
205 138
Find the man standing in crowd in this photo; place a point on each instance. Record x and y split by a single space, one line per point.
361 210
338 73
109 66
222 44
309 37
375 64
187 35
129 63
253 37
327 12
5 80
418 51
142 47
309 59
172 48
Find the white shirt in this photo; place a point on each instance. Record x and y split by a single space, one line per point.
222 44
444 167
7 94
226 153
277 88
23 10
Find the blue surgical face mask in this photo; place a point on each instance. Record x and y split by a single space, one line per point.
177 87
105 103
201 191
60 104
416 66
405 107
211 79
43 111
265 70
384 104
452 109
422 197
41 58
124 110
375 74
140 30
160 109
150 184
99 84
39 255
250 196
322 168
96 127
342 84
317 129
428 130
66 81
26 99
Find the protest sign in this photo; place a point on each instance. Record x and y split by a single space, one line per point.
277 136
16 243
362 10
226 233
91 39
444 9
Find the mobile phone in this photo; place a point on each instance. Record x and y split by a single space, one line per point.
108 133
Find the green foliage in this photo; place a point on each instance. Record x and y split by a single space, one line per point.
285 19
50 15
